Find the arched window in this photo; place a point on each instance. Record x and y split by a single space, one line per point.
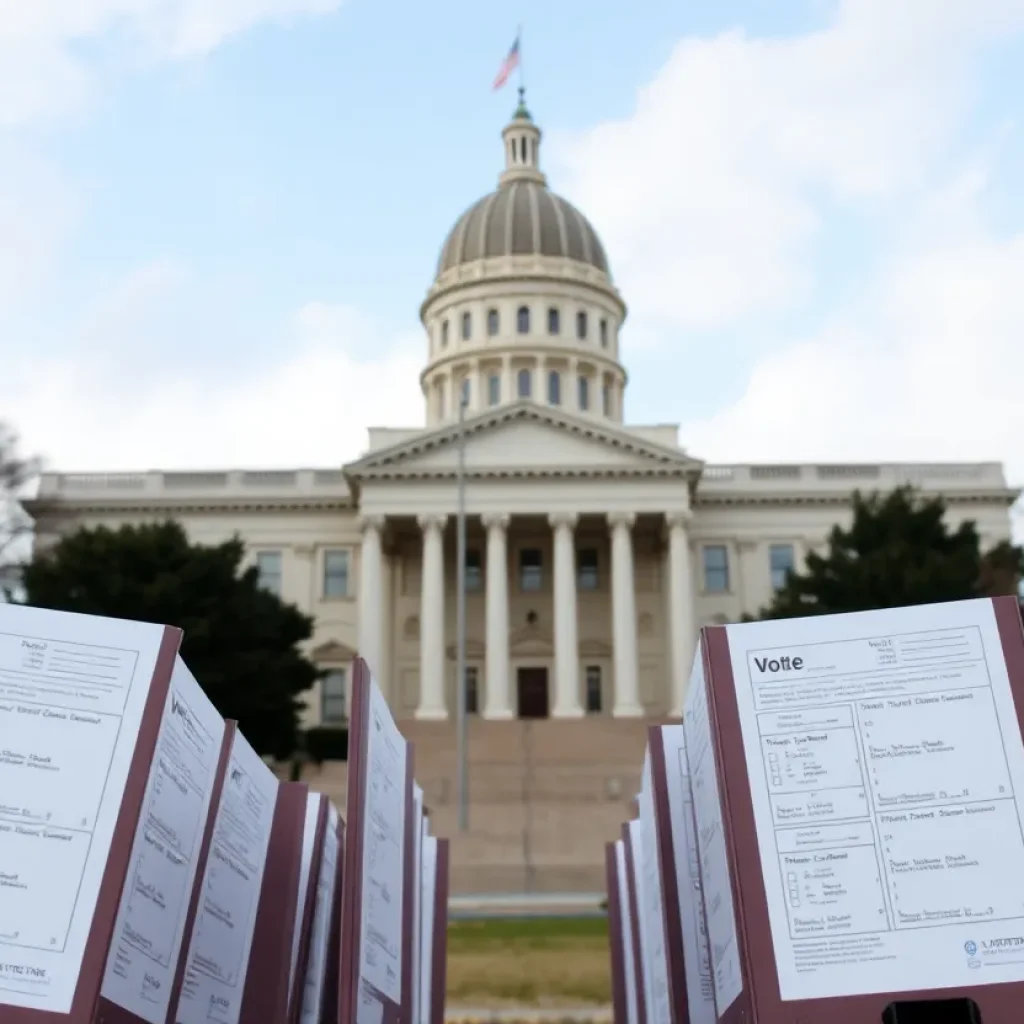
524 384
555 387
554 321
523 320
581 325
493 322
467 326
604 333
444 333
583 393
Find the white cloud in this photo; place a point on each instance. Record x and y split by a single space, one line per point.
42 72
711 195
83 413
36 212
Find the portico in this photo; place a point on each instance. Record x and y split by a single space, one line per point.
514 570
558 615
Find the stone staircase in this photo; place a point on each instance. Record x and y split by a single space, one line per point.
544 797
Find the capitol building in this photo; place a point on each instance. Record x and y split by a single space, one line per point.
595 548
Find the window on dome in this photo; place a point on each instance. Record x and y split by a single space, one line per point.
493 389
581 325
606 400
493 322
554 321
555 387
523 320
583 393
467 326
604 333
464 397
441 403
524 384
444 333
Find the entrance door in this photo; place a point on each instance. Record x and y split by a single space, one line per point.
533 692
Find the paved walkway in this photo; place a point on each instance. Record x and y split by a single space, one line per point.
530 1015
546 904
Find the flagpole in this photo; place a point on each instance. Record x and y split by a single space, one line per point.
522 79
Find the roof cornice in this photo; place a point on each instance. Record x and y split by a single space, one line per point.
1005 498
53 507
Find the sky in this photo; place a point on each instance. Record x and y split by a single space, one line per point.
218 217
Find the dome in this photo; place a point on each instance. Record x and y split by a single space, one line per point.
522 218
522 307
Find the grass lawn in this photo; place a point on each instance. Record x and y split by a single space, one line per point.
543 962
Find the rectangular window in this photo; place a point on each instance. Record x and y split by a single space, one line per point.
336 573
531 570
472 691
593 677
716 569
782 560
269 565
474 571
333 696
493 389
586 569
583 393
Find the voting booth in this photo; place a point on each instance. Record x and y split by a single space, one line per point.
837 826
154 870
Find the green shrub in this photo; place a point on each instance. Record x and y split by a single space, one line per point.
326 743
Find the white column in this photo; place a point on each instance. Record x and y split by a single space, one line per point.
680 606
432 682
371 595
567 647
497 703
627 689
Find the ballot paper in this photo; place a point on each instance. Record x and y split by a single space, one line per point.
383 874
309 837
715 877
887 777
418 823
218 954
73 698
696 955
629 958
316 965
428 884
150 927
649 892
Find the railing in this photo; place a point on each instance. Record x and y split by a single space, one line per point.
241 483
227 483
969 475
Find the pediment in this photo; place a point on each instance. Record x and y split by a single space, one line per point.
527 439
531 642
595 649
333 650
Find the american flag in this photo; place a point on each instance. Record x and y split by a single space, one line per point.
508 65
